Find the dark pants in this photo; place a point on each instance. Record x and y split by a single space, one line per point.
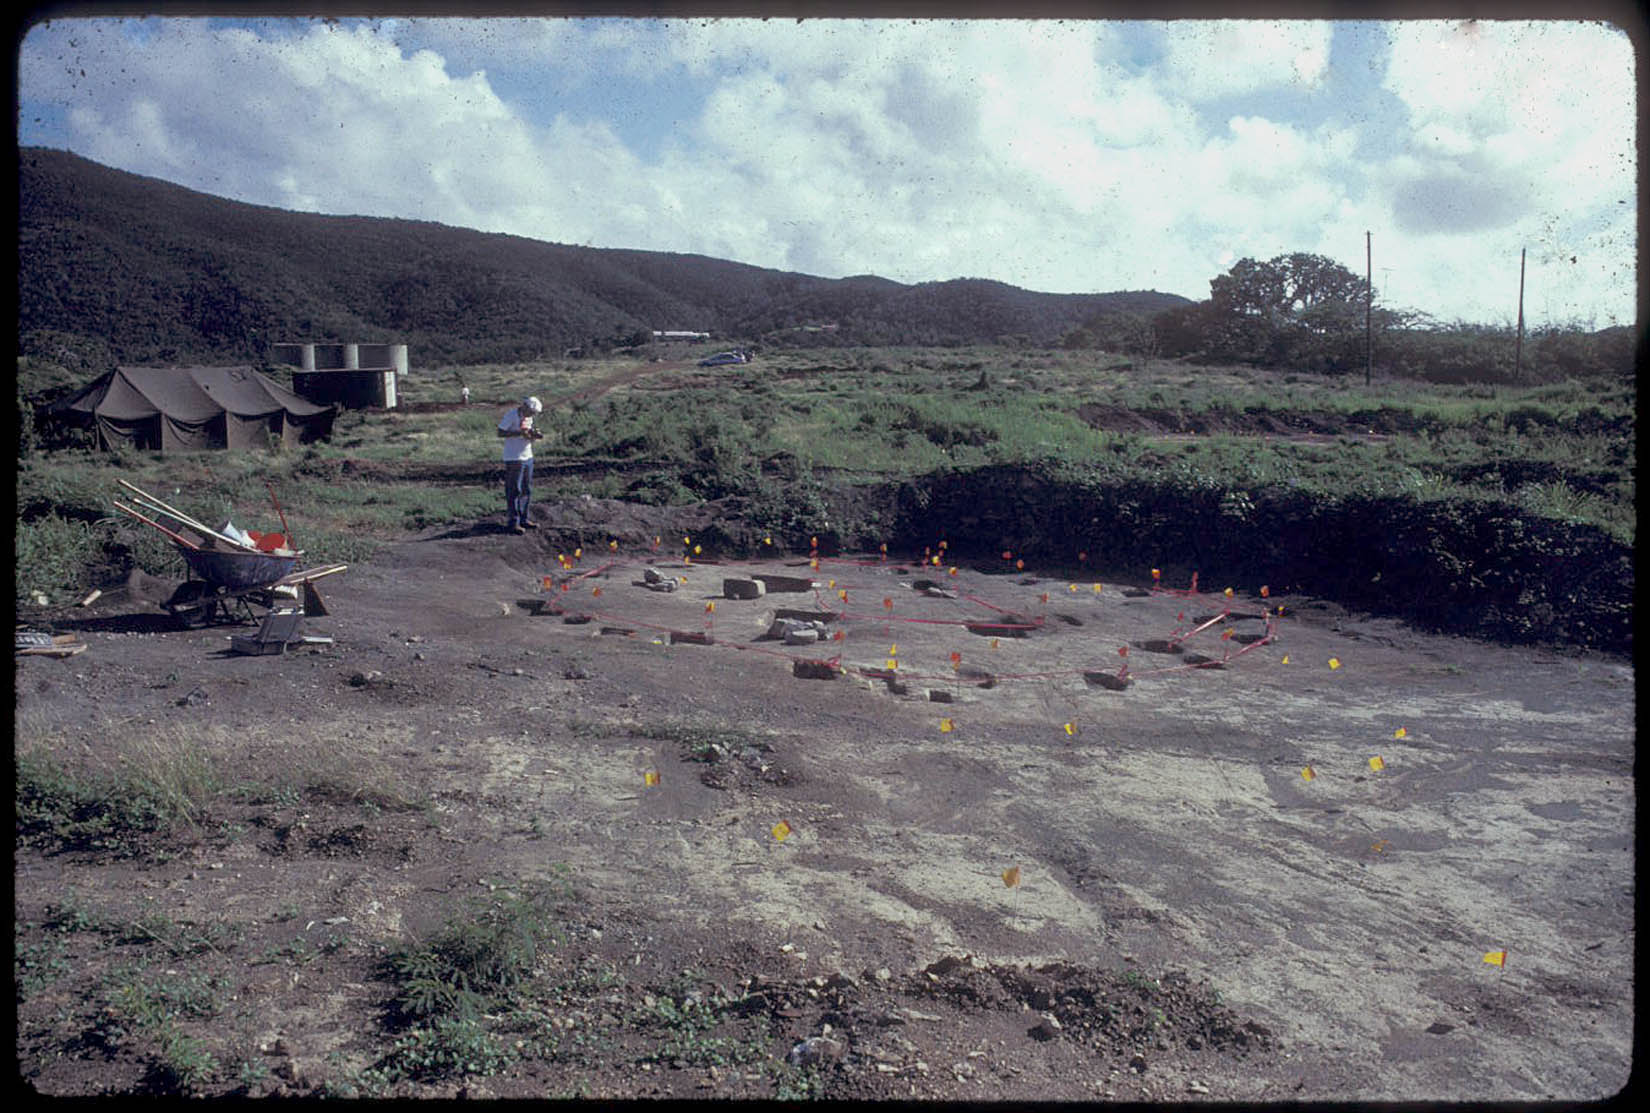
518 489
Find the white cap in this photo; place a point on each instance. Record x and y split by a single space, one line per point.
533 405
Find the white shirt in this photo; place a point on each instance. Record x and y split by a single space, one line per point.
514 421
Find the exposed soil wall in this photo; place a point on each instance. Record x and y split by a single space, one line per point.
1479 569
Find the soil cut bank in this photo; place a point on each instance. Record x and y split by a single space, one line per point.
1216 894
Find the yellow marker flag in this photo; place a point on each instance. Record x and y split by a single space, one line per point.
936 560
1496 958
893 665
781 830
1011 876
1400 733
1071 587
1309 774
952 570
1097 589
814 564
1334 662
613 546
710 607
993 643
947 726
696 550
1379 846
686 541
1157 573
767 541
842 594
1377 763
651 778
578 553
893 649
1286 658
1228 593
1071 728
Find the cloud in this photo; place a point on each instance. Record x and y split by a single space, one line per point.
1047 154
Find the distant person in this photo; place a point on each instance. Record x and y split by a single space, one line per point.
515 428
464 395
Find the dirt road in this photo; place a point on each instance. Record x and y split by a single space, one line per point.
1207 850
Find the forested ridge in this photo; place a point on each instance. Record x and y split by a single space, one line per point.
160 273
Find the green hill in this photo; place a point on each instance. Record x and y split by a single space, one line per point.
159 273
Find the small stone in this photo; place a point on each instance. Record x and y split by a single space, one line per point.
1196 1087
1138 1062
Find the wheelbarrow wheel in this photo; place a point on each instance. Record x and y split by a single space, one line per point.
192 604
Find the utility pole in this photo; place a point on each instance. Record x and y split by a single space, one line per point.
1518 346
1369 307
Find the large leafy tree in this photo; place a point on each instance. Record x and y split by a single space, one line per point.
1300 309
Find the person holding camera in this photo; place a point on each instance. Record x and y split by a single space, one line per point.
515 428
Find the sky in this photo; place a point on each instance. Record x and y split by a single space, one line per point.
1058 155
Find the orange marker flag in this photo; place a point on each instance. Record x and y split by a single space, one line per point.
884 548
1309 774
655 541
1496 958
1377 763
842 594
1400 733
1228 593
838 636
710 607
1122 651
956 660
651 778
952 570
596 592
781 830
993 643
1020 564
1334 663
813 542
887 603
1011 876
947 726
1265 592
546 583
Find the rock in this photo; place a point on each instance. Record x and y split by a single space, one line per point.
801 635
1047 1028
774 583
814 670
195 698
1196 1087
1138 1062
939 695
743 589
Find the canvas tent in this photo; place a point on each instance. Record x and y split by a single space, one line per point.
189 409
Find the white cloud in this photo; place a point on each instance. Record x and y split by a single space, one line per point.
1034 152
1225 58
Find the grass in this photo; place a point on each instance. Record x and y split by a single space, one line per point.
781 431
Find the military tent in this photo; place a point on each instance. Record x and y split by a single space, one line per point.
188 409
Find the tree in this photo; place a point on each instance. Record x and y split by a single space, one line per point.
1300 309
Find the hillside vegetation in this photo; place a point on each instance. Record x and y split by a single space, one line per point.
164 274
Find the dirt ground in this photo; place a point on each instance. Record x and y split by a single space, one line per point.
1218 897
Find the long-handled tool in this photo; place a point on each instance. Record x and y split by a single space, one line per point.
286 530
179 538
180 515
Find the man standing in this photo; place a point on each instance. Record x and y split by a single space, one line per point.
516 430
